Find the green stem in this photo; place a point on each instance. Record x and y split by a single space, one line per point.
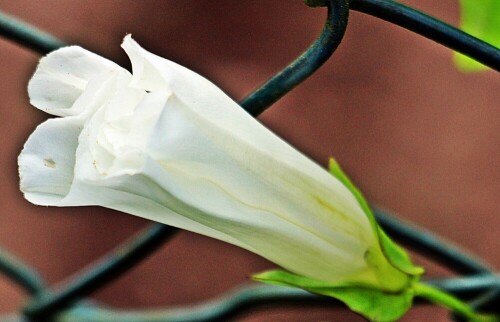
439 297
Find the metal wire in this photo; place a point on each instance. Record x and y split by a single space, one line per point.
121 260
467 287
28 36
244 299
427 243
236 303
20 273
430 28
306 64
477 49
444 253
108 269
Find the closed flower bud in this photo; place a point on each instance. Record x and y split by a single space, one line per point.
166 144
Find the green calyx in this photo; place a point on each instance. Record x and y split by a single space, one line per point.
385 290
372 303
394 254
375 304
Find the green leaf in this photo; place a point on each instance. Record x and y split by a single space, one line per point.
480 18
396 255
373 304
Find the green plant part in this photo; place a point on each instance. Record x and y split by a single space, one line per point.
385 291
382 293
480 18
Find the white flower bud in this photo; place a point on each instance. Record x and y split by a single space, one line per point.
168 145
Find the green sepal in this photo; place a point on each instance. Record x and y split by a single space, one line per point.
338 173
480 18
373 304
396 255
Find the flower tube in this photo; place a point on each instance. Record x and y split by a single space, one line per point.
166 144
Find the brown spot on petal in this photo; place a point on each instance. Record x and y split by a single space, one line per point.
49 163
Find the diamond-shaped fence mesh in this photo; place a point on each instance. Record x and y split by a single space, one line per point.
67 303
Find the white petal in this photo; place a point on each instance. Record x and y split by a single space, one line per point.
256 230
232 182
220 118
47 160
288 241
219 160
218 111
62 76
145 74
197 178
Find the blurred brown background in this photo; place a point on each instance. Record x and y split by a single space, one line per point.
418 136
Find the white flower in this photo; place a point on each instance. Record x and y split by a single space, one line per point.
168 145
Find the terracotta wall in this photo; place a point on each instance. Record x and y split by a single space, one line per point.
419 137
